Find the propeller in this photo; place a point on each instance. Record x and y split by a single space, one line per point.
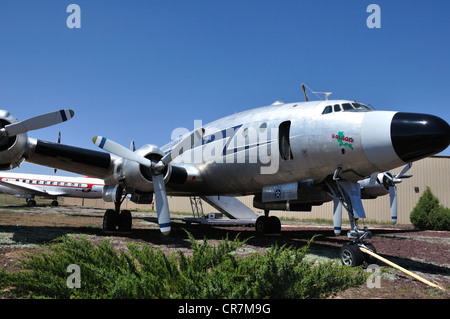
37 122
59 142
390 182
156 167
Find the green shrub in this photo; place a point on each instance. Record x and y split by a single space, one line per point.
211 272
429 214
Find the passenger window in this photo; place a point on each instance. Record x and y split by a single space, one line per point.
327 109
337 108
263 128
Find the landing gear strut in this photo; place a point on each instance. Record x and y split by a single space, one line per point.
268 225
114 219
348 193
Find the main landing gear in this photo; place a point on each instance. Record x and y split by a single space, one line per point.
268 225
114 219
31 202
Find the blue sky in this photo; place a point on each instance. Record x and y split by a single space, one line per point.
136 70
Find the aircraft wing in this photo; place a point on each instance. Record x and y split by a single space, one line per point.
29 189
69 158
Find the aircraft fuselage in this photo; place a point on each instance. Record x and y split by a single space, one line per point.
241 153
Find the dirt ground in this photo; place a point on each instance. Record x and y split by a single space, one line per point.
425 253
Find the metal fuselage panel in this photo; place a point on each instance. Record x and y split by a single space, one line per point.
241 153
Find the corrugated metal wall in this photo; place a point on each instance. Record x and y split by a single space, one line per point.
433 172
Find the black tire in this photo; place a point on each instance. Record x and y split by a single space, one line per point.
368 258
351 255
31 203
109 220
55 203
274 225
261 225
125 220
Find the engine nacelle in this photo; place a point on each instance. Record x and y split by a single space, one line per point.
138 178
12 148
374 186
111 193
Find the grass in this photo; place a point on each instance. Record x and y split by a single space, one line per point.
144 272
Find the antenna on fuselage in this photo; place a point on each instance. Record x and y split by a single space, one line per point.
304 92
326 94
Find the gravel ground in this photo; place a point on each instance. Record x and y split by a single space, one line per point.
426 253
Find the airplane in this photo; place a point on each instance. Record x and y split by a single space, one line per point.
289 156
47 186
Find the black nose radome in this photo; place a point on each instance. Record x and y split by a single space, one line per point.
415 136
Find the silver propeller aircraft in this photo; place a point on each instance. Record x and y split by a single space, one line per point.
290 156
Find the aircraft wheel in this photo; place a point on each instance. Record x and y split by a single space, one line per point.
109 220
268 225
261 224
31 203
368 258
274 225
351 255
55 203
125 220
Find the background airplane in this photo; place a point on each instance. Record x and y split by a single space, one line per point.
47 186
290 156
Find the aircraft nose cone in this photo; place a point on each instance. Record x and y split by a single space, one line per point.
415 136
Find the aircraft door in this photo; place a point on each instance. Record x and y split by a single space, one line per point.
284 141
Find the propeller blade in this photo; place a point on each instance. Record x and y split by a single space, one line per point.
37 122
185 144
393 203
162 204
404 170
119 150
337 216
59 142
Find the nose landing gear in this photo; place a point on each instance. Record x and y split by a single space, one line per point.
351 255
349 195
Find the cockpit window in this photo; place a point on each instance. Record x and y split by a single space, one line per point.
347 106
362 107
357 106
352 107
327 109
